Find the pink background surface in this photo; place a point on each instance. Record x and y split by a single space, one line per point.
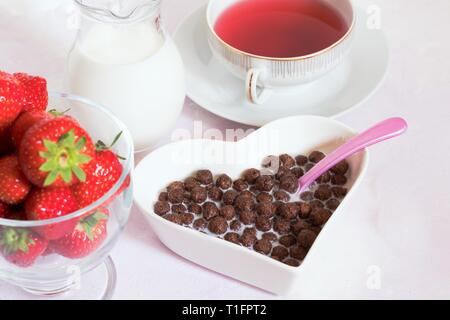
399 219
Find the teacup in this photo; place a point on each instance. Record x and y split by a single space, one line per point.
264 74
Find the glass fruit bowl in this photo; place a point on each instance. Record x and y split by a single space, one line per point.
56 270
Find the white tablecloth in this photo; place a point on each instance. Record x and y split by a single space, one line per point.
396 229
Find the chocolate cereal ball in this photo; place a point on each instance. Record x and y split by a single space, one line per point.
235 225
270 236
308 167
341 168
200 224
301 160
224 182
244 203
320 216
281 195
210 210
323 193
247 193
306 238
228 212
163 196
214 193
282 171
282 226
191 183
316 156
289 183
247 217
324 178
332 204
297 172
251 175
280 252
175 185
199 194
266 209
287 161
288 240
307 196
161 207
338 180
316 204
298 252
173 217
264 197
305 210
263 224
292 262
263 246
195 208
186 218
300 225
339 192
179 208
229 197
240 185
176 196
289 210
204 176
232 237
265 183
218 225
248 237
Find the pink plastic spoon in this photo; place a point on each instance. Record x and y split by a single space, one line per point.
384 130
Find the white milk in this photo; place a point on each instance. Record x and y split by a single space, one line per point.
133 70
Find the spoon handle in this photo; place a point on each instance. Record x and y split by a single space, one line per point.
384 130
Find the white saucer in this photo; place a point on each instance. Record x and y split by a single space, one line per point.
218 91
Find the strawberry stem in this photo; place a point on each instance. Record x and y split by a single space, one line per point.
64 158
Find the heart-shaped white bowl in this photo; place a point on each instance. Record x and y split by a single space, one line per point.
177 161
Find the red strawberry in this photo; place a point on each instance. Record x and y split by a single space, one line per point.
11 99
87 236
102 174
14 187
55 152
4 210
24 122
48 203
35 92
21 247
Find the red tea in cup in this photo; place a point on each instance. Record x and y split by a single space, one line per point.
281 28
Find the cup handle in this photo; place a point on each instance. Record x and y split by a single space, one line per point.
256 94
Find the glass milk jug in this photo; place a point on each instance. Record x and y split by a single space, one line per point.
123 59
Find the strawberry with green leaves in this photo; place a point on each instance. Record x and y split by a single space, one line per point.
35 92
21 246
11 99
103 172
49 203
14 187
88 235
55 153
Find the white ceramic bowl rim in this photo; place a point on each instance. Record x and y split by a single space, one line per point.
126 170
308 56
